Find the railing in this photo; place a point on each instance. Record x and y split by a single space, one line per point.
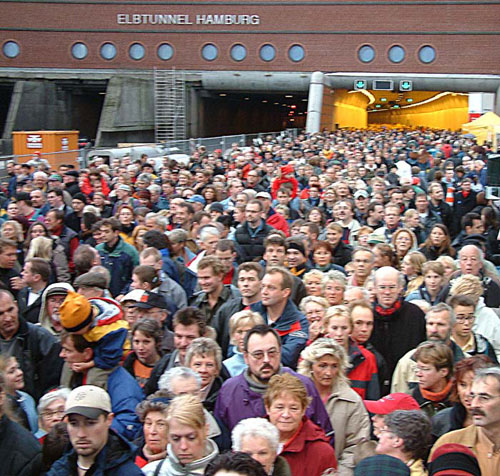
187 146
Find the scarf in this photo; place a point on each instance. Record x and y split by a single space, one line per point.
257 387
388 311
150 457
298 270
436 396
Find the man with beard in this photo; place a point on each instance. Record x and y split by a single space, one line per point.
241 397
52 298
439 322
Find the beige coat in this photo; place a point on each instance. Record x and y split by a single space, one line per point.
350 422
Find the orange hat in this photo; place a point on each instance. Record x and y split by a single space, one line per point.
75 312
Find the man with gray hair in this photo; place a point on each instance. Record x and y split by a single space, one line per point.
399 325
439 322
483 436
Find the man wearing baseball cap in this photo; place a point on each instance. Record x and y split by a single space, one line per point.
95 448
388 404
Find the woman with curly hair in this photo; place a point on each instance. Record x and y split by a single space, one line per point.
326 363
438 243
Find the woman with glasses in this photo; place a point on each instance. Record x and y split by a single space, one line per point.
50 411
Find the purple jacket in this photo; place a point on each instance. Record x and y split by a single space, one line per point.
236 402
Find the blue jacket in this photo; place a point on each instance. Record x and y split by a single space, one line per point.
120 262
293 328
115 459
125 394
236 401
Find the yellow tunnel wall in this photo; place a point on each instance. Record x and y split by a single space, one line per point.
343 109
447 112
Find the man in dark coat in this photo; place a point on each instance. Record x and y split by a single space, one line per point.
251 234
35 348
399 325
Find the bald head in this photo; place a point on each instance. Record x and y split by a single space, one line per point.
388 286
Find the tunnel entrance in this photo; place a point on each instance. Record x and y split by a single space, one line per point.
223 112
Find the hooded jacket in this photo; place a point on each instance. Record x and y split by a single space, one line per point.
293 328
115 459
43 317
309 453
171 466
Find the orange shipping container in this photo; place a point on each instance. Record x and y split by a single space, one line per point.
26 143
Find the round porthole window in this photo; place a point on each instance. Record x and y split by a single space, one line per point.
296 53
427 54
238 52
108 51
209 52
396 54
165 51
136 51
11 49
267 52
79 51
366 54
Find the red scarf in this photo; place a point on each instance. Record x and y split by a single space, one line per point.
388 311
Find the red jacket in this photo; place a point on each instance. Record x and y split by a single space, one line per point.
278 221
363 373
308 452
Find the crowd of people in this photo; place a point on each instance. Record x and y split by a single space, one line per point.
304 306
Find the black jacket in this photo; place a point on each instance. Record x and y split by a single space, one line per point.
251 247
445 212
20 452
29 313
115 459
394 335
37 352
342 254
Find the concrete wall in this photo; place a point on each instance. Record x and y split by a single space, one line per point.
128 112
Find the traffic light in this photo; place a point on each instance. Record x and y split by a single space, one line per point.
360 84
405 85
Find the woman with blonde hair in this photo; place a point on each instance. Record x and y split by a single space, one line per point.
13 230
313 281
486 322
43 247
137 234
239 324
189 450
326 363
449 265
411 267
305 445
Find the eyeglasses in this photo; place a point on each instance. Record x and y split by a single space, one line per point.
468 318
482 397
259 354
49 414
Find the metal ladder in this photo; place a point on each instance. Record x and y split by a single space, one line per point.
170 105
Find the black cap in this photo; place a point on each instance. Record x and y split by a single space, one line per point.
150 300
72 173
80 196
23 197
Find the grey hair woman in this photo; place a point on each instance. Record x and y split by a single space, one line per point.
260 439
